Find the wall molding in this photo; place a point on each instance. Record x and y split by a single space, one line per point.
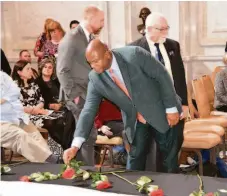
202 58
204 38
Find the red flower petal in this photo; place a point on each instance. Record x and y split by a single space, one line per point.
103 185
209 194
24 179
158 192
68 173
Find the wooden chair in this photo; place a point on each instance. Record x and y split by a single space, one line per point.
107 144
197 138
204 106
202 134
3 155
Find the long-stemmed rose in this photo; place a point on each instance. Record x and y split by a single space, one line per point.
201 191
143 185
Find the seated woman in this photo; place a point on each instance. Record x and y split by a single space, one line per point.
33 102
50 87
220 101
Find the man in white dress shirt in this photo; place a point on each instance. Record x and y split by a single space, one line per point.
167 51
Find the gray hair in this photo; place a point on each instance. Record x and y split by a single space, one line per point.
153 19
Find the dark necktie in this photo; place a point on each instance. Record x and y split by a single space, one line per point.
91 37
159 54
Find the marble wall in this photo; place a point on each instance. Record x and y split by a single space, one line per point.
200 27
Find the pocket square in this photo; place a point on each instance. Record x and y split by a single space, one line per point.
171 53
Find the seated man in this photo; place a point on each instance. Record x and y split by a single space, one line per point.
108 121
17 133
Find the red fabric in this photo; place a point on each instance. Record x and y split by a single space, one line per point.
107 112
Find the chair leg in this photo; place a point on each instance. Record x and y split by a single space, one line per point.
200 161
2 154
224 147
110 148
11 156
213 155
103 156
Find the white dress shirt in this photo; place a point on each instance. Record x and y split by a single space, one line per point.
87 34
163 51
12 110
78 141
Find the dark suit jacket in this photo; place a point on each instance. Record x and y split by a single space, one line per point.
226 47
5 64
148 83
72 66
177 66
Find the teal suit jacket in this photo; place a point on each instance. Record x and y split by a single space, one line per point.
148 83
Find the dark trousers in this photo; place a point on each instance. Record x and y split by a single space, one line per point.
167 142
222 108
154 157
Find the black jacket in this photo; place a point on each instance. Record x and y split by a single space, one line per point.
177 66
50 93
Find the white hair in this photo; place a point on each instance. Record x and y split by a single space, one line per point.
153 19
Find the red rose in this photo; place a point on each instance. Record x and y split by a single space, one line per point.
68 173
158 192
103 185
24 179
209 194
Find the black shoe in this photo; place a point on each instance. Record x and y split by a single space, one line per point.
60 160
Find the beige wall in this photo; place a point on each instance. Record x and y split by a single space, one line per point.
200 27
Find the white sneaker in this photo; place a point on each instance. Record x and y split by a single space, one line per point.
221 154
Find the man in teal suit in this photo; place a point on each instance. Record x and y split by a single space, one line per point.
151 94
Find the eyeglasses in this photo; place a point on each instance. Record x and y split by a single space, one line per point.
163 29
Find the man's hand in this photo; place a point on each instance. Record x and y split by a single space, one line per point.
173 118
185 112
106 130
69 154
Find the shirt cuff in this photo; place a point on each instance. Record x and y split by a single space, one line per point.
77 142
171 110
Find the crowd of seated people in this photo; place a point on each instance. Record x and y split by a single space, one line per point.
34 104
17 131
39 90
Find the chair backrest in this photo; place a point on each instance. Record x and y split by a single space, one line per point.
201 97
209 88
214 73
191 107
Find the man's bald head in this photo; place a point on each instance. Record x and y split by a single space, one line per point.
98 55
157 27
94 18
90 11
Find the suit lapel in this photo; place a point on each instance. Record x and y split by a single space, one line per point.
108 80
82 33
124 71
168 50
144 44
